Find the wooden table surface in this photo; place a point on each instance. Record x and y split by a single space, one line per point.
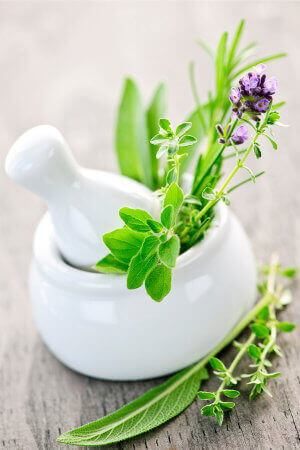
62 63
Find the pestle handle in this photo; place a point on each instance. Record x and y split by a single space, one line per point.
41 161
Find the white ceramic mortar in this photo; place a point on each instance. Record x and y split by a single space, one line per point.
94 325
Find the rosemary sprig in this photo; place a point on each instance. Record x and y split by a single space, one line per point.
259 345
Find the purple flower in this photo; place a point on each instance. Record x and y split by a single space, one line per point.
270 86
250 81
261 105
235 95
254 94
260 69
240 135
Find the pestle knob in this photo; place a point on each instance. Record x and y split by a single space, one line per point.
83 203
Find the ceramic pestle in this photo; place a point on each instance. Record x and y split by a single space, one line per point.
83 203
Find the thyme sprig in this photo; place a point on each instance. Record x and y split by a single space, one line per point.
260 344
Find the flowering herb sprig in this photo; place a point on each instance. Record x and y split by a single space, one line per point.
241 117
260 344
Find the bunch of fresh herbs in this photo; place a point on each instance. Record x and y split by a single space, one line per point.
234 122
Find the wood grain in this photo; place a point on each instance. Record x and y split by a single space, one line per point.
62 63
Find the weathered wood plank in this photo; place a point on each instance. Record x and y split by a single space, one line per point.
56 68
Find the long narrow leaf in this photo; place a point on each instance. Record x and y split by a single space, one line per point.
235 43
220 63
258 61
152 409
157 109
132 144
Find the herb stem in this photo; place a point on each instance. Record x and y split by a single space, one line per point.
234 364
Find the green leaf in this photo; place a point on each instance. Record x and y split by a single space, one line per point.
217 364
218 413
263 314
289 272
158 282
187 140
156 109
227 405
254 352
286 327
231 393
204 395
131 139
169 251
149 246
261 331
148 411
165 125
174 196
167 216
257 150
139 268
123 243
109 264
272 141
136 219
256 62
220 63
235 43
207 410
183 128
155 226
158 139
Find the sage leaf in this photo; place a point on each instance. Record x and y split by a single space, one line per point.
131 138
158 282
109 264
139 268
124 243
169 251
156 110
174 196
167 216
136 219
155 407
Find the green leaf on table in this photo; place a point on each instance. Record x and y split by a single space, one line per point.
109 264
231 393
174 196
156 110
217 364
260 330
254 352
152 409
169 251
285 327
136 219
139 268
158 282
131 138
167 216
123 243
207 410
204 395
